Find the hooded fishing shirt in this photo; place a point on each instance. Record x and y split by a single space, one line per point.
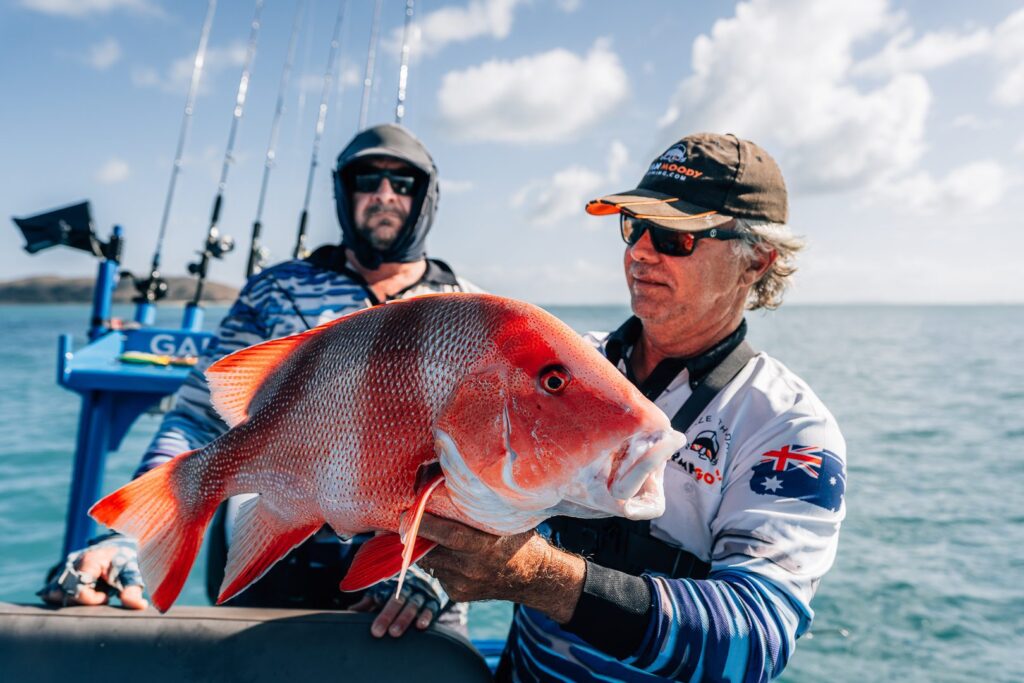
758 493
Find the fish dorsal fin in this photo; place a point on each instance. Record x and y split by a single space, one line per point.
235 378
385 555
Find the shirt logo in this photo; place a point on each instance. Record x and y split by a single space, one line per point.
808 473
705 445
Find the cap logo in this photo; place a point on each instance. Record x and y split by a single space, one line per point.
676 153
671 164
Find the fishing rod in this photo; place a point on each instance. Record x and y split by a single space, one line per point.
154 287
321 119
217 245
371 58
403 73
258 253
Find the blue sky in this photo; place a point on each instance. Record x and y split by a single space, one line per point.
899 127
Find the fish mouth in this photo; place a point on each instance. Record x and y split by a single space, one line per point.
631 482
638 469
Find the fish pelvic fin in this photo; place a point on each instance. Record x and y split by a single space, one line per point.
262 536
167 520
379 559
383 556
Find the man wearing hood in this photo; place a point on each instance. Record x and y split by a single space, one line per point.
386 194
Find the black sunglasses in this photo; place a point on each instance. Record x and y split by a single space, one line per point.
668 241
369 181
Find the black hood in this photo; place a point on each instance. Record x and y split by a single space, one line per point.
396 142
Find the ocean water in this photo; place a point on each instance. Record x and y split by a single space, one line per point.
929 581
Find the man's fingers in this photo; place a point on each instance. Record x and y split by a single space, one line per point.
131 597
387 615
407 615
454 535
88 595
426 617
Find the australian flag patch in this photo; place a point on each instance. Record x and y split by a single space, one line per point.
809 473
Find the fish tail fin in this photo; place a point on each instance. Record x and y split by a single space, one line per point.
167 518
262 536
384 556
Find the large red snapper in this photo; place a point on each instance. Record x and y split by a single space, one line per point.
473 407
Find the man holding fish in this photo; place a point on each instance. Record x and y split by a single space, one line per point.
719 586
386 193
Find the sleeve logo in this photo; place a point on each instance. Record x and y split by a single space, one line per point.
808 473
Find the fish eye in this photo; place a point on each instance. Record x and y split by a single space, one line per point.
554 379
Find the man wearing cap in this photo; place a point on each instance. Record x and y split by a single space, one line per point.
386 194
719 587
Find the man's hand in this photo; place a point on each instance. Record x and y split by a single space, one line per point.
397 612
90 575
419 602
523 568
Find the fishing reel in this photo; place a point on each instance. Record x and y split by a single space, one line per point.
150 290
259 257
216 246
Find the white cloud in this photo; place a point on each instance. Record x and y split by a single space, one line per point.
1003 45
569 6
114 171
566 193
457 24
779 73
104 55
1009 55
81 8
350 75
972 187
540 98
179 73
931 51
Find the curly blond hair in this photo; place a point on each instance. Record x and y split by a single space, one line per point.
760 236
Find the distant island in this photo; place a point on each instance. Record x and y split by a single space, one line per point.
51 289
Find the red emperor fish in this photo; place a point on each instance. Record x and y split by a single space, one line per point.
485 410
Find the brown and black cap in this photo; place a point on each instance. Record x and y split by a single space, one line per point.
702 181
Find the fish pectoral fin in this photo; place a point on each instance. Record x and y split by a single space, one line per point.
261 538
379 559
384 556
